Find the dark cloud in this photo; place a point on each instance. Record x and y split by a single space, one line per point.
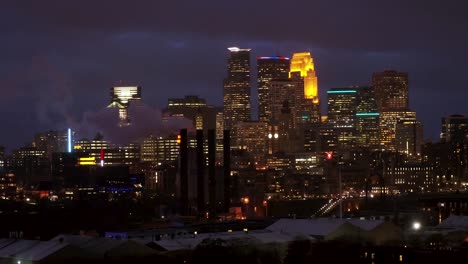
145 121
365 24
60 58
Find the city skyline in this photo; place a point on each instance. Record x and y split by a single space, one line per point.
254 97
60 76
243 131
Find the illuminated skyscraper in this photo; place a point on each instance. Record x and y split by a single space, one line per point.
342 106
159 150
387 127
302 69
253 139
454 129
391 89
111 154
367 119
52 141
269 68
121 96
304 64
192 107
409 137
236 96
186 105
281 92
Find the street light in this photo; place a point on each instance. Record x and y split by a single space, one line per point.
416 226
340 200
340 187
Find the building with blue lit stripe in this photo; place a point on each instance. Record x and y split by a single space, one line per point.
353 112
367 119
342 106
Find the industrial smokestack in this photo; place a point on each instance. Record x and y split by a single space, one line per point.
184 171
200 173
212 171
227 169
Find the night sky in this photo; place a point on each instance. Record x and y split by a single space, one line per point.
58 59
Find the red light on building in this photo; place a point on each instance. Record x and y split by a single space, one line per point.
102 157
329 155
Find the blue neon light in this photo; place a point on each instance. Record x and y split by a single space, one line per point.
341 91
367 114
69 141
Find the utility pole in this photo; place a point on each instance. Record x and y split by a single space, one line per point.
340 187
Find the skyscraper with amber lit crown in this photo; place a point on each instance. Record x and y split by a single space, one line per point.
302 68
304 64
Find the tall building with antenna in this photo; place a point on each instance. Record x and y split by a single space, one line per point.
236 93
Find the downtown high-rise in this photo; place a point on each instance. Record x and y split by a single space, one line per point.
391 90
269 68
236 93
392 95
342 106
121 97
367 119
302 69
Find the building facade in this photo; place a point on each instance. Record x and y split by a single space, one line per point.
391 89
409 137
121 97
236 95
269 68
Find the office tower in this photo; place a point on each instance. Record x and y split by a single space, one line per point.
302 68
412 177
454 129
342 106
186 105
387 127
409 137
252 136
304 64
328 138
236 95
30 165
8 186
132 154
51 142
160 150
219 136
391 89
121 97
112 154
367 119
192 107
282 136
285 91
269 68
